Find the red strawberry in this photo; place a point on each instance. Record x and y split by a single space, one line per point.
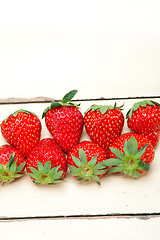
131 154
65 122
144 118
104 124
85 161
12 164
22 130
46 163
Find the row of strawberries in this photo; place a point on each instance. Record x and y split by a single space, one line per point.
46 160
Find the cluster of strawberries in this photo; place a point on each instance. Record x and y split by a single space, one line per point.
47 160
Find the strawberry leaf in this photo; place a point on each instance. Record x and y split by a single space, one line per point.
77 161
34 171
40 166
96 179
145 165
93 161
1 167
10 162
118 153
99 171
45 112
88 109
55 104
135 174
36 181
74 171
95 107
132 146
47 167
82 156
104 109
56 175
100 165
54 170
13 167
20 167
141 151
116 169
125 149
111 162
155 103
69 96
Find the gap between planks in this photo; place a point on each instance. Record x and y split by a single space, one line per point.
48 100
140 216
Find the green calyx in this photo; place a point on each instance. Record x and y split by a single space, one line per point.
45 174
140 104
103 108
11 172
130 162
85 170
16 113
64 102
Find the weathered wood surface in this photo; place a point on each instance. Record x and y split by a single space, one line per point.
117 195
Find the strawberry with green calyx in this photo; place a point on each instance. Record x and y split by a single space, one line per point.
12 164
104 123
144 118
85 161
64 121
22 130
131 154
46 163
45 174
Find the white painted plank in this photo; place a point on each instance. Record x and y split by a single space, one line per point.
96 47
70 229
116 194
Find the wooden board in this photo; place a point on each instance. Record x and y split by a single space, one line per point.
70 229
117 195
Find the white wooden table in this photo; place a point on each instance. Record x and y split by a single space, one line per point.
130 206
109 51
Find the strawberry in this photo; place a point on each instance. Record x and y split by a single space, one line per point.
131 154
22 130
104 124
85 161
64 121
46 163
144 118
12 164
